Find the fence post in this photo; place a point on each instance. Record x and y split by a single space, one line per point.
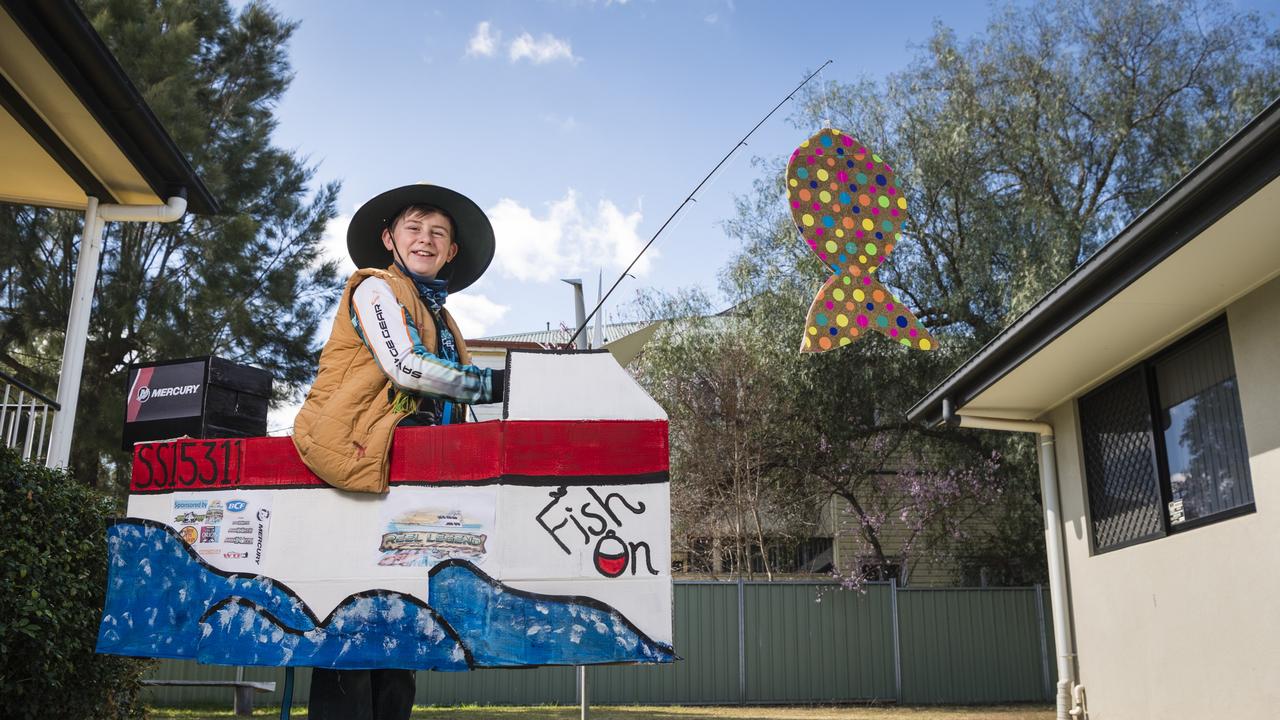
1044 644
742 642
584 704
897 644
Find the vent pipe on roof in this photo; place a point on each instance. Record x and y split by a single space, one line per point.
579 309
1065 643
95 215
597 338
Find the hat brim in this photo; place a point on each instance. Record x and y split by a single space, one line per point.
473 232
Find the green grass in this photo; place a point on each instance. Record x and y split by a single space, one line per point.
545 712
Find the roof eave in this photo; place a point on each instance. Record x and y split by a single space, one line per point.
1230 175
71 45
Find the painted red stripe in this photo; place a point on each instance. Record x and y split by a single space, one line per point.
459 453
586 447
134 406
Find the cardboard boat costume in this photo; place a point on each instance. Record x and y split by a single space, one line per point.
539 539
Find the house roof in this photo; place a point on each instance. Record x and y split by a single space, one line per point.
549 338
72 124
1207 241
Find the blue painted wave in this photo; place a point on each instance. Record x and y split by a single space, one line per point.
377 630
164 601
503 627
158 589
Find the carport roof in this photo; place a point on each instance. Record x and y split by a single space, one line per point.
72 124
1207 241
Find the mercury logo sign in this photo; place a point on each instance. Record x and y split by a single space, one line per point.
145 393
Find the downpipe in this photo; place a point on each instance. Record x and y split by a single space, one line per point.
1069 702
95 217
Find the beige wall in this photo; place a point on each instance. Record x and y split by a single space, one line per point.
1188 626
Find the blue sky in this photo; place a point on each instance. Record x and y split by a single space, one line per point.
578 125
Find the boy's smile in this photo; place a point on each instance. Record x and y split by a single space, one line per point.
422 241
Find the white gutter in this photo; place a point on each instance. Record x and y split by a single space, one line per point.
1054 547
95 216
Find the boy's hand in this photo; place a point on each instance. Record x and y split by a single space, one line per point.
499 385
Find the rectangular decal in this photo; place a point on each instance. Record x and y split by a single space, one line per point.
229 531
422 529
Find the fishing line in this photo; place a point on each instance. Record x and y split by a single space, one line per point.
689 199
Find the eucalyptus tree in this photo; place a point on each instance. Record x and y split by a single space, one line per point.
1021 150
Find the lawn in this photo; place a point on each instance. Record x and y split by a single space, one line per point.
543 712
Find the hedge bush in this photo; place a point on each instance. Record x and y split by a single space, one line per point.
53 575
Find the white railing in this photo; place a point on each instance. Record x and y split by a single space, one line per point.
26 415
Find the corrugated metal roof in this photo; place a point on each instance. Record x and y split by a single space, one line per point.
558 336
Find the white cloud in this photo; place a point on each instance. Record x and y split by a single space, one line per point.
566 123
484 42
334 244
566 240
539 51
280 420
548 48
474 313
711 19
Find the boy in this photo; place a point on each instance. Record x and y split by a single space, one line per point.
395 357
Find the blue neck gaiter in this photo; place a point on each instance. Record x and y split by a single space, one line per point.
433 291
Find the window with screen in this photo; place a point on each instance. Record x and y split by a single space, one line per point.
1164 444
1203 429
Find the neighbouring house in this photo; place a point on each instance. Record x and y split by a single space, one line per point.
1151 376
833 543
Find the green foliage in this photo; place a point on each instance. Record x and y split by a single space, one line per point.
1022 150
248 284
53 574
1026 147
731 456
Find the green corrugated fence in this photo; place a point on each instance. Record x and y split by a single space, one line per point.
759 642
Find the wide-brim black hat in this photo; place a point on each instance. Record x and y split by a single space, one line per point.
471 231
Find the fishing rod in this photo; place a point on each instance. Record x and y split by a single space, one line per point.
689 199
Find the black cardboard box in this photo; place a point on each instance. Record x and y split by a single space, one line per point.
201 397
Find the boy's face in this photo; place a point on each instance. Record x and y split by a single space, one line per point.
423 242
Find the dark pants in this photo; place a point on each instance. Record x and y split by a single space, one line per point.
360 694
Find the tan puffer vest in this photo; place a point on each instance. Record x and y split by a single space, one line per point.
343 431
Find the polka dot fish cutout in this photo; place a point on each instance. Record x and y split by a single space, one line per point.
849 209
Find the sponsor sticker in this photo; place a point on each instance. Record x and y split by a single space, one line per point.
424 535
229 531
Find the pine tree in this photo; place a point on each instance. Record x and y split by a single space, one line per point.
248 284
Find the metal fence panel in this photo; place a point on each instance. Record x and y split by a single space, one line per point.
508 686
804 642
970 646
706 637
814 643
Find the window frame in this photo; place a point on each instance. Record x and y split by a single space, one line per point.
1159 447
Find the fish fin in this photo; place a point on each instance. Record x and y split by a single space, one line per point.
842 313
